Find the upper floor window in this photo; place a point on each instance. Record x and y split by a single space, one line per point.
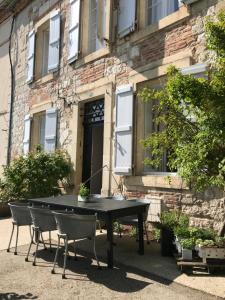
97 24
158 9
42 50
43 47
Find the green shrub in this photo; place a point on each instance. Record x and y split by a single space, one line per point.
36 175
173 219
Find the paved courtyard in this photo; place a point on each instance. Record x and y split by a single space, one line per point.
21 280
134 277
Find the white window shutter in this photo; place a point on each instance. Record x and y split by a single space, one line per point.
124 130
26 138
30 58
54 40
126 17
74 30
50 130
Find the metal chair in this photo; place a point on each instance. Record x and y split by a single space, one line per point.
20 217
117 197
133 220
96 197
43 221
74 227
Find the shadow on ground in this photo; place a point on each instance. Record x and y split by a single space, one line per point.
15 296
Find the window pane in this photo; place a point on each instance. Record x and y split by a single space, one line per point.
158 9
45 52
149 127
97 15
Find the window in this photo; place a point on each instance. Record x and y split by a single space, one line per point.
149 127
97 22
43 47
38 130
158 9
42 51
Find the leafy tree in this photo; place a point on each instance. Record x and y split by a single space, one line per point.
191 113
35 175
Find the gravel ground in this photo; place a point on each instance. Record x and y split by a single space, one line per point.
21 280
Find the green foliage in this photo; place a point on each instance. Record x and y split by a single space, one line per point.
172 219
191 112
84 190
157 234
188 243
117 227
35 175
134 231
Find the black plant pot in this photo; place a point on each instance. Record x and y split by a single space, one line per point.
167 239
4 210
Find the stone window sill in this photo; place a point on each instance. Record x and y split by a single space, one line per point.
171 19
44 79
93 56
157 181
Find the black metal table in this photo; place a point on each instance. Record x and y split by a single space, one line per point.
107 209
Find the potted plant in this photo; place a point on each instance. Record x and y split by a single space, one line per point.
212 249
180 232
187 247
84 193
169 221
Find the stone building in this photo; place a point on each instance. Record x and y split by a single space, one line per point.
77 69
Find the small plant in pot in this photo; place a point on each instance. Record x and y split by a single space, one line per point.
188 245
84 193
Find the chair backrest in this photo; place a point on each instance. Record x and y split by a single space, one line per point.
119 197
76 226
43 218
20 213
94 196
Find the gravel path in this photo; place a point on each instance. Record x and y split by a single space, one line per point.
21 280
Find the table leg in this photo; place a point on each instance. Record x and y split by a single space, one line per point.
141 234
110 241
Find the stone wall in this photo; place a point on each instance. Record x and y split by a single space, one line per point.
122 64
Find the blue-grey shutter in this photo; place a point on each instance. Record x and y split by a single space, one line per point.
30 58
74 30
50 130
26 137
54 41
126 17
124 130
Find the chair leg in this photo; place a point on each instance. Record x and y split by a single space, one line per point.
146 232
94 249
17 233
99 225
8 249
31 242
74 247
65 258
50 241
56 256
31 235
35 255
43 241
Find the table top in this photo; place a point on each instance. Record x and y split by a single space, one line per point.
97 205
